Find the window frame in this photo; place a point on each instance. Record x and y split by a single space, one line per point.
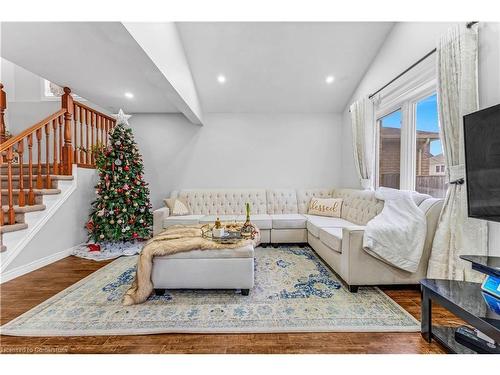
47 96
404 95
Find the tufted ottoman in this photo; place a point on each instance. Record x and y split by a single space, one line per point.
205 269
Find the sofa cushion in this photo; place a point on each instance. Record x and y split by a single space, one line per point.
315 223
281 201
177 206
224 202
289 221
325 207
184 220
331 237
223 218
261 221
246 251
358 206
304 197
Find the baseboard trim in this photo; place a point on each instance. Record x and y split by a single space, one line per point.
39 263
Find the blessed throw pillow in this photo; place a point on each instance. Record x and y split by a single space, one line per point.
325 207
177 206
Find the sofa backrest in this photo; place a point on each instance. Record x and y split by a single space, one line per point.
358 206
224 201
281 201
304 197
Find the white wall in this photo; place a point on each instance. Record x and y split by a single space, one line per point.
25 103
407 43
25 106
64 229
238 151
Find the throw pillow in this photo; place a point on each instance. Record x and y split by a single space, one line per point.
177 206
325 207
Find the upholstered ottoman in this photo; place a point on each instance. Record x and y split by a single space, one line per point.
205 269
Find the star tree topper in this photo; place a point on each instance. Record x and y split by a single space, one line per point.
121 117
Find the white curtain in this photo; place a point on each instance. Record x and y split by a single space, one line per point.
362 124
457 90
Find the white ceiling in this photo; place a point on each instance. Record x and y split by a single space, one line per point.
270 67
279 66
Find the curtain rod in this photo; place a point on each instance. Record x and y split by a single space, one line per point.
468 24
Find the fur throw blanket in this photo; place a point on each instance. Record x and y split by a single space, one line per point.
175 239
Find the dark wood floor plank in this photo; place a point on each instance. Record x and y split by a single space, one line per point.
19 295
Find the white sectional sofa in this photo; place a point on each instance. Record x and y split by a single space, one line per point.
281 215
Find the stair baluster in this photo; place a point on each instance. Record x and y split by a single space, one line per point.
76 112
39 180
21 198
60 121
91 149
55 162
88 114
48 180
31 193
106 130
80 145
11 216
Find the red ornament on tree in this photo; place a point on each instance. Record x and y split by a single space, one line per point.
126 168
90 226
135 235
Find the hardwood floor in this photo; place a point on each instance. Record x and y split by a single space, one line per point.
20 295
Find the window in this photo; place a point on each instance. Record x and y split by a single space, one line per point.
390 150
409 150
429 150
52 92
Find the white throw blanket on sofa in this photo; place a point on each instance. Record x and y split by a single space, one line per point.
397 234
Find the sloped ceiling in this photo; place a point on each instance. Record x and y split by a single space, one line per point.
269 66
279 66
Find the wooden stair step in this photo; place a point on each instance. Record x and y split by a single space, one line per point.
13 227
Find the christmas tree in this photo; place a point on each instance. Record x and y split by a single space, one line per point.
122 211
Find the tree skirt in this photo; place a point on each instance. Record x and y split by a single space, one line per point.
109 250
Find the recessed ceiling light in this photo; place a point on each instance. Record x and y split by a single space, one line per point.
221 79
129 95
329 79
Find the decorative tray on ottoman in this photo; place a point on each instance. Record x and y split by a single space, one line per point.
232 233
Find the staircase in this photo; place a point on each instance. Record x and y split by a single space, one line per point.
33 163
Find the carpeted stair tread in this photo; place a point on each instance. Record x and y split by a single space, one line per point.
52 176
13 227
24 209
36 191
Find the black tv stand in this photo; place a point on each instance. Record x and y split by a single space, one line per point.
467 301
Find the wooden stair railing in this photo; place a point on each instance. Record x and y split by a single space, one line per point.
56 140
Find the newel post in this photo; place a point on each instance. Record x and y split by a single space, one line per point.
3 107
67 149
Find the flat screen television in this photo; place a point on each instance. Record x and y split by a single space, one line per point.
482 163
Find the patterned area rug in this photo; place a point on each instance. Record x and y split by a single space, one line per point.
294 292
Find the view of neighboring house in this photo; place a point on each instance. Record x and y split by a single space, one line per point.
436 165
430 171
